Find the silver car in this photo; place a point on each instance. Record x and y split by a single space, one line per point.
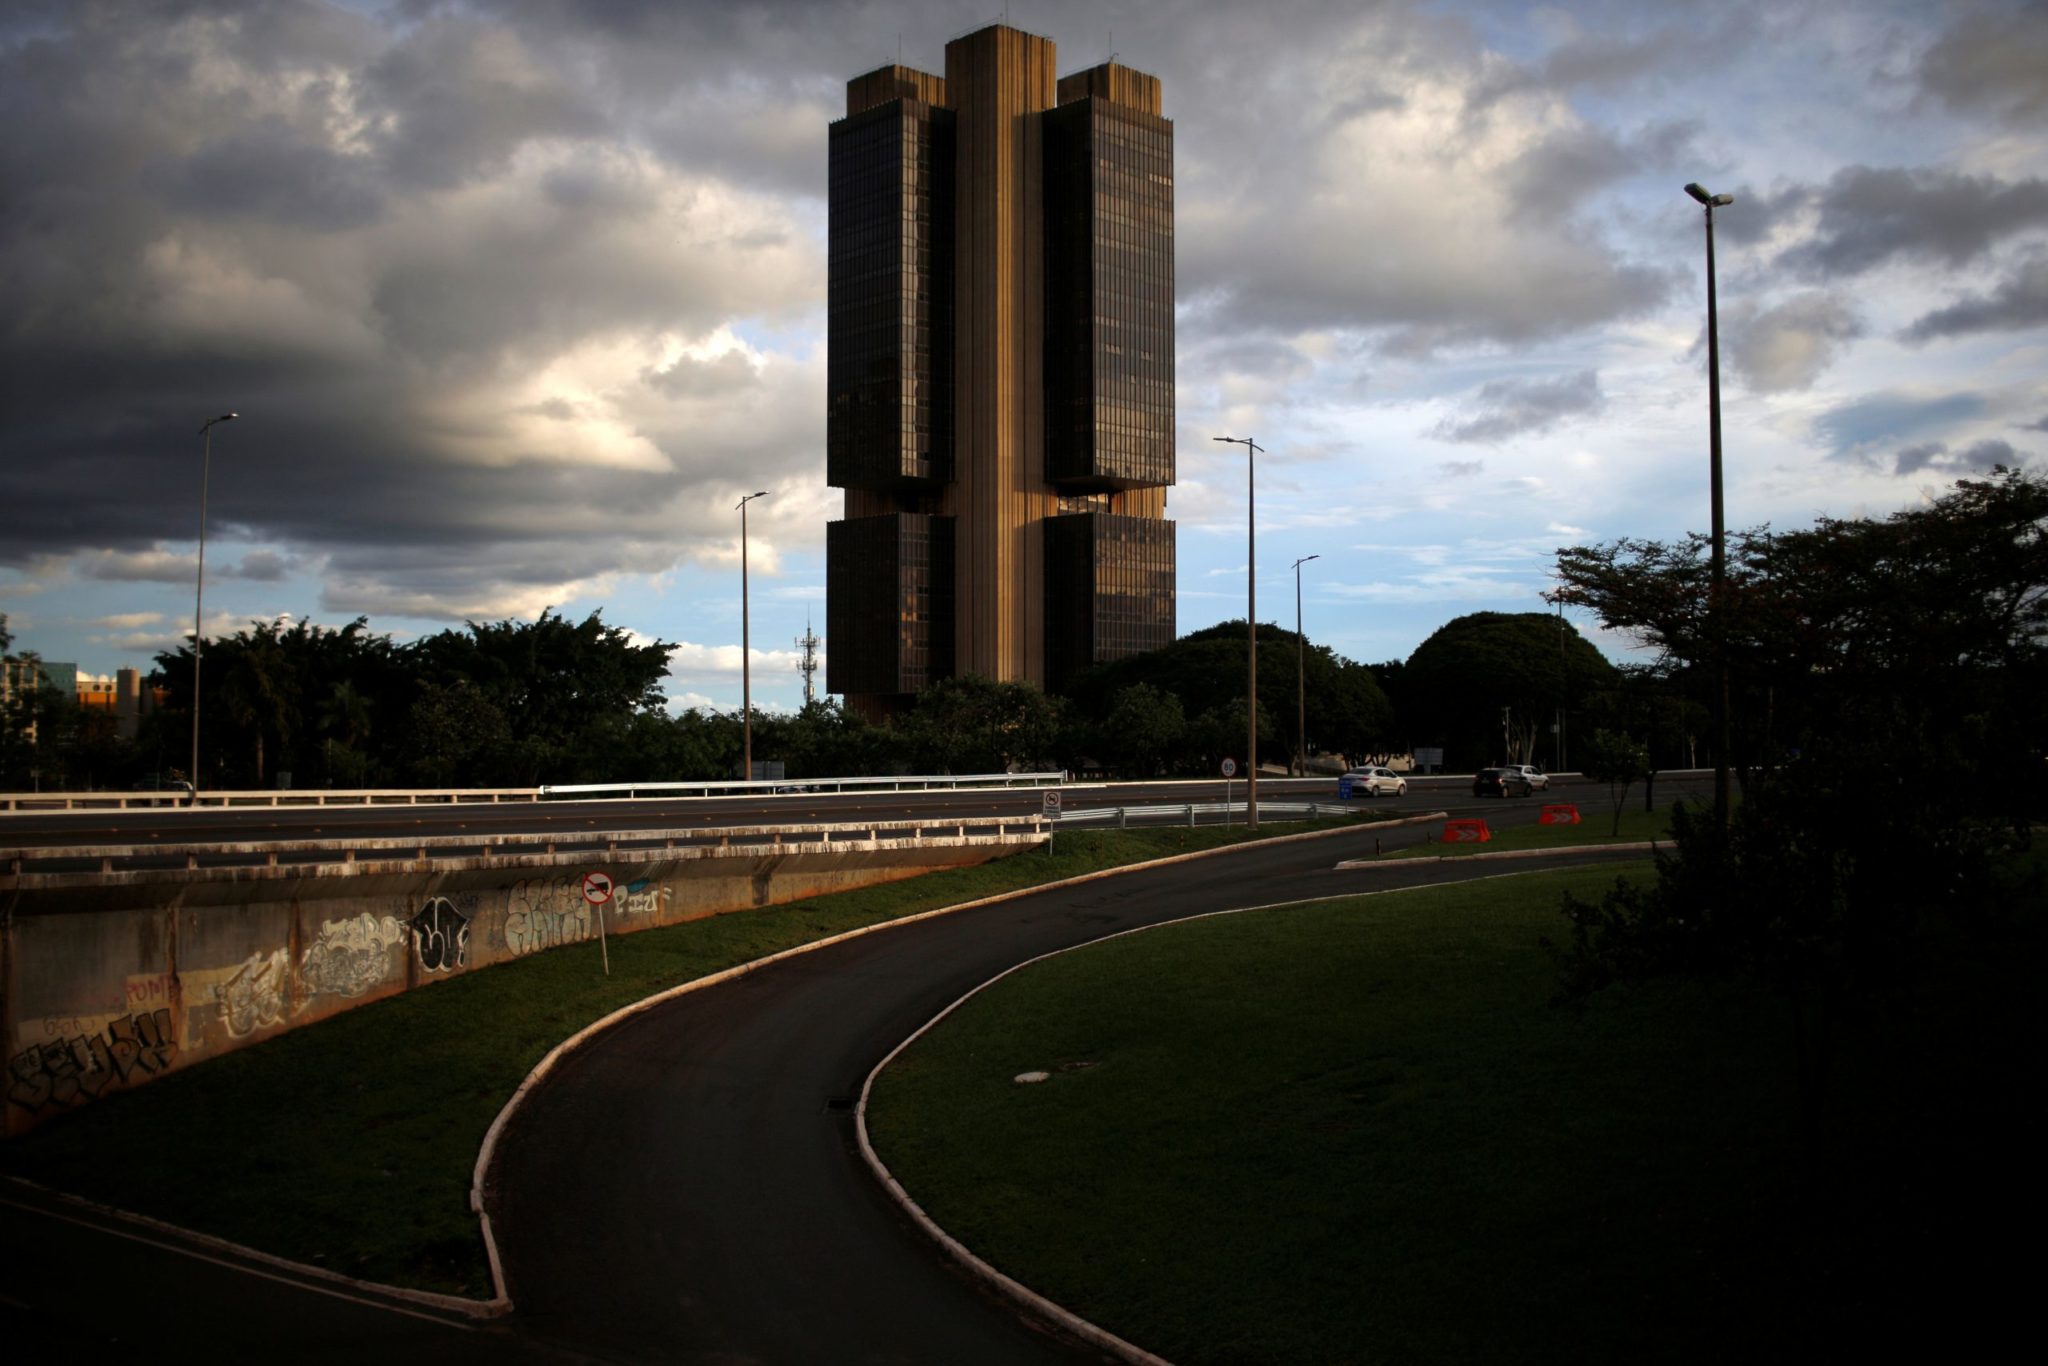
1539 781
1372 782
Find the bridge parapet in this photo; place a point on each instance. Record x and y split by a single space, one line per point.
126 962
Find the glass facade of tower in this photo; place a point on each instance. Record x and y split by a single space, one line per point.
1108 589
999 371
1109 297
889 611
889 300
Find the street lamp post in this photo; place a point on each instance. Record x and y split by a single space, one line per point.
1300 671
199 586
1251 626
746 652
1717 592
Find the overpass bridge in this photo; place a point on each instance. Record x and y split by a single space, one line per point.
178 939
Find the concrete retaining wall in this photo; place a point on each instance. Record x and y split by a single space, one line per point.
110 984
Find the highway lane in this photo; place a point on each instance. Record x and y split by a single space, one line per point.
213 825
687 1187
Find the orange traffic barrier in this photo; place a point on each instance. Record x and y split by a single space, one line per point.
1466 832
1564 814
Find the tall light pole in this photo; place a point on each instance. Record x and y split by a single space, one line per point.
1717 591
1251 625
199 588
746 652
1300 671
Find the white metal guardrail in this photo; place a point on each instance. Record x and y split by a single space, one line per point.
423 853
1121 815
904 783
448 796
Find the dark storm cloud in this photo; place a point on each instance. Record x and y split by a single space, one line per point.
276 175
1506 408
1859 429
1871 216
460 97
1976 459
2019 301
1993 61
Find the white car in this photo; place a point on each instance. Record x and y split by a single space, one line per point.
1371 782
1539 781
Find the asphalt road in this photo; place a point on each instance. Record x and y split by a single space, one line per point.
214 825
685 1188
689 1190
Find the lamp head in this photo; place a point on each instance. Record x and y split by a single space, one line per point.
1697 193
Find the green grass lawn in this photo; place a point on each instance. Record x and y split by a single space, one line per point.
349 1144
1359 1131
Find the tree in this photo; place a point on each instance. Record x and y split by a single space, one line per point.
1486 683
1893 673
1924 630
1205 671
1144 730
971 724
1617 761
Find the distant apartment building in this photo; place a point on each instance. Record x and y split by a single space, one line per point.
999 372
121 694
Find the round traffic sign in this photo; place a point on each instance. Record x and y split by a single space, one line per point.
597 888
1230 768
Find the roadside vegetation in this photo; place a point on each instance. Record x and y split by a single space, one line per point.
349 1144
1367 1130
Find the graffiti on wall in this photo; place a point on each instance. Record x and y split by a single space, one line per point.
440 935
351 956
253 998
81 1068
645 897
541 913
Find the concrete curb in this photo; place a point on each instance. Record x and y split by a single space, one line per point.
1030 1299
485 1155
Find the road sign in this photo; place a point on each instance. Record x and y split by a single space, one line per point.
597 888
1052 802
1230 768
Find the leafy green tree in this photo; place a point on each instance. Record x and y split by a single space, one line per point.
458 735
971 724
1144 729
1487 684
1205 670
1860 625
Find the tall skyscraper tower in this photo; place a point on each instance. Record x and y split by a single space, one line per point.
999 373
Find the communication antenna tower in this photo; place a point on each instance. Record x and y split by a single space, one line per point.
807 663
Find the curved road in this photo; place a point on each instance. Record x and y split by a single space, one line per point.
687 1188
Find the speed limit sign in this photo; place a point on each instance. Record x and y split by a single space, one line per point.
1230 768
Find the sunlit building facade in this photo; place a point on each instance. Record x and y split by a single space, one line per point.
1000 372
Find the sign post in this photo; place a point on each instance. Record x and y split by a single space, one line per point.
597 889
1051 811
1229 772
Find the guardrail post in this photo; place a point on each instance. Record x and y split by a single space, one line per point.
1123 818
1191 815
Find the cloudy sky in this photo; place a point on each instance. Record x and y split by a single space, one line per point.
517 297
